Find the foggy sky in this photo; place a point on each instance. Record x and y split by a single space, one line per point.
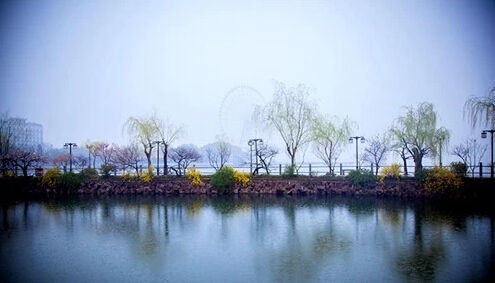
81 68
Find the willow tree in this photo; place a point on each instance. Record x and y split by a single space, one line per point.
481 110
329 136
441 140
290 113
168 133
417 132
143 131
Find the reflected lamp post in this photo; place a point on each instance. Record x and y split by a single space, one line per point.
484 136
351 140
254 142
70 145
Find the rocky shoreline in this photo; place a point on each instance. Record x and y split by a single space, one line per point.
410 187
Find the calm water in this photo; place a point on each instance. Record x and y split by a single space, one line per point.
246 239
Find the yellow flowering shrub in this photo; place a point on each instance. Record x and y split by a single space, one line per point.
51 177
194 176
390 171
442 179
127 176
242 178
148 175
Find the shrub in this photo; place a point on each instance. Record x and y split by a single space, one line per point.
148 175
422 174
127 176
289 171
69 181
242 178
88 173
392 171
361 177
440 180
223 179
106 169
51 178
194 176
459 168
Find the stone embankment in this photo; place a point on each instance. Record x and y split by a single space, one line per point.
295 186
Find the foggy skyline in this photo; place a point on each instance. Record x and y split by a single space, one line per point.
82 68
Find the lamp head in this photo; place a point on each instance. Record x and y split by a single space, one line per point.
483 135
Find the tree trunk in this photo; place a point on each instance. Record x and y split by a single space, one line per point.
165 157
418 162
376 170
24 171
404 160
148 157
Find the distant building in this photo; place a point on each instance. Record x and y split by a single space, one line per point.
25 134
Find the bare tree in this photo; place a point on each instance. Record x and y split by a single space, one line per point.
329 138
265 157
104 151
62 161
25 159
127 157
219 153
290 113
375 152
183 156
471 153
168 133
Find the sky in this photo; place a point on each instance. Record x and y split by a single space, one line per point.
81 68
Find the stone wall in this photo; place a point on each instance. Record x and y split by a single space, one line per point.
296 186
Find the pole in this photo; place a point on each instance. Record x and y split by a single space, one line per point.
256 154
70 158
491 164
357 163
251 158
158 159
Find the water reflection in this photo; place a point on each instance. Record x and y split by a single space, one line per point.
245 238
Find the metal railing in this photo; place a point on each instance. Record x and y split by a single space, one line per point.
307 169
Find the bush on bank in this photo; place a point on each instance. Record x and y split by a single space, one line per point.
225 179
194 176
361 177
441 180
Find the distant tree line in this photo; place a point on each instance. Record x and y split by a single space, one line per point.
413 135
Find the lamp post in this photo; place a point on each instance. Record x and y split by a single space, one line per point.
254 142
483 136
158 157
351 140
70 145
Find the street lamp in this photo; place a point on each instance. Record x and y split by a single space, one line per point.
70 145
483 136
158 157
254 142
351 140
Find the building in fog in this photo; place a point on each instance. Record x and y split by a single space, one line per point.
24 134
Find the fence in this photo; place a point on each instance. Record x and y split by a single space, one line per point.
308 169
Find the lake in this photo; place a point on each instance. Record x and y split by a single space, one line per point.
244 239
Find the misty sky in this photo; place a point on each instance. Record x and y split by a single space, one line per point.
81 68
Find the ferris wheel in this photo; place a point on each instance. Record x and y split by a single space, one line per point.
236 113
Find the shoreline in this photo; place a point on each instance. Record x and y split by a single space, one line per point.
406 187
